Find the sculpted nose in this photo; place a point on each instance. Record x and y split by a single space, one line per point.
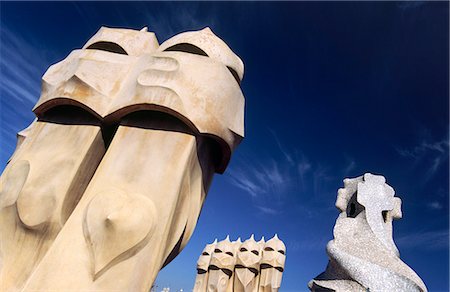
34 206
164 64
158 71
35 201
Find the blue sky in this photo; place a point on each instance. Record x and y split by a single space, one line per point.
333 90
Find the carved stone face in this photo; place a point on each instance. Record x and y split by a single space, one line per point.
120 71
272 263
274 253
224 256
221 266
205 258
249 256
97 75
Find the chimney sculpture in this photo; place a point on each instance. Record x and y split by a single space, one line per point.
363 255
272 265
201 280
236 245
221 267
246 274
240 267
107 184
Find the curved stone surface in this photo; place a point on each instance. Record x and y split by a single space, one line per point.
120 71
250 266
106 186
221 267
116 226
272 265
201 280
41 185
363 255
247 267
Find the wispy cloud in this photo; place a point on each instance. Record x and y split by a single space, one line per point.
428 240
350 166
303 167
440 147
321 178
435 205
243 180
308 244
20 73
428 155
266 180
181 18
21 65
259 179
268 210
286 155
409 5
285 175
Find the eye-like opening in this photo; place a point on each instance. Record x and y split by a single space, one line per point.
255 252
279 269
254 271
213 268
229 253
108 46
192 49
205 253
243 249
268 249
281 251
187 48
353 207
227 272
217 250
384 213
265 266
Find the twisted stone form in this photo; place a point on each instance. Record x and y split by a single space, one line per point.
363 255
106 185
241 267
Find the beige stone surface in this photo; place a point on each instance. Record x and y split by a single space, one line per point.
221 266
272 265
169 79
201 280
363 255
106 187
247 268
241 267
127 221
35 202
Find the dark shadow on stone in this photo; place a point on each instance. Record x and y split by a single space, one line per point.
192 49
74 115
108 46
69 115
186 48
333 272
208 152
353 207
175 251
317 288
208 149
384 213
235 75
